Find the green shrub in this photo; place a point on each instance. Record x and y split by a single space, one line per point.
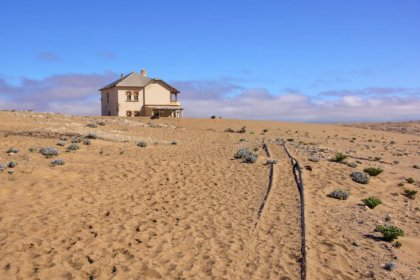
390 233
373 171
410 193
339 194
92 125
142 144
410 180
372 202
242 140
401 184
87 141
339 157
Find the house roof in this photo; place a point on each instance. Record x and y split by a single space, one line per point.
136 80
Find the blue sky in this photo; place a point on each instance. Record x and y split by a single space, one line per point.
330 56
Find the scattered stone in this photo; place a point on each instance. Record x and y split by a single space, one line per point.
314 158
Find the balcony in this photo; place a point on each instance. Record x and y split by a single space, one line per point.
175 103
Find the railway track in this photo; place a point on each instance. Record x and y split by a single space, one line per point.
278 234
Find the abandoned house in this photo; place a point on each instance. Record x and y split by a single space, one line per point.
136 95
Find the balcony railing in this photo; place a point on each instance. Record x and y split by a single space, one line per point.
175 103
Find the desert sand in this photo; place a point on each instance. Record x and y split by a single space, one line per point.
184 208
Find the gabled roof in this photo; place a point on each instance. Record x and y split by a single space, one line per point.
136 80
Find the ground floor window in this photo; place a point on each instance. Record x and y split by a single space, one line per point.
128 113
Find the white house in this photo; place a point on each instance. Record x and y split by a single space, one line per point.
136 95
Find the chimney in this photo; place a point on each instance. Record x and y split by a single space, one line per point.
143 72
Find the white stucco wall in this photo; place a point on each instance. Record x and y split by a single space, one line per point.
157 94
125 105
110 106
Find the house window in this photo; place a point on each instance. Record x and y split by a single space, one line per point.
109 113
128 113
128 93
136 96
136 113
107 97
173 97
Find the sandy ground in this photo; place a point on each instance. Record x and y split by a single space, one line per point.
188 211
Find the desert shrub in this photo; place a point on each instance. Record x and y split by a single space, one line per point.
410 180
13 150
33 149
290 139
11 164
242 153
230 130
92 125
87 141
174 142
256 149
410 193
212 117
252 132
314 158
11 172
61 143
251 158
339 194
2 167
102 123
339 157
242 140
397 244
377 158
242 130
372 202
246 155
271 161
58 161
142 144
72 147
373 171
91 135
352 164
390 233
401 184
49 151
360 177
76 139
265 130
390 266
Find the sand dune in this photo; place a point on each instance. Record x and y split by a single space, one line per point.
188 210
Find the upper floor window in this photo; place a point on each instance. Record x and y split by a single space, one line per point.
128 93
136 96
173 97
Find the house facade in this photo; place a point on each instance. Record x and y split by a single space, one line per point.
137 95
